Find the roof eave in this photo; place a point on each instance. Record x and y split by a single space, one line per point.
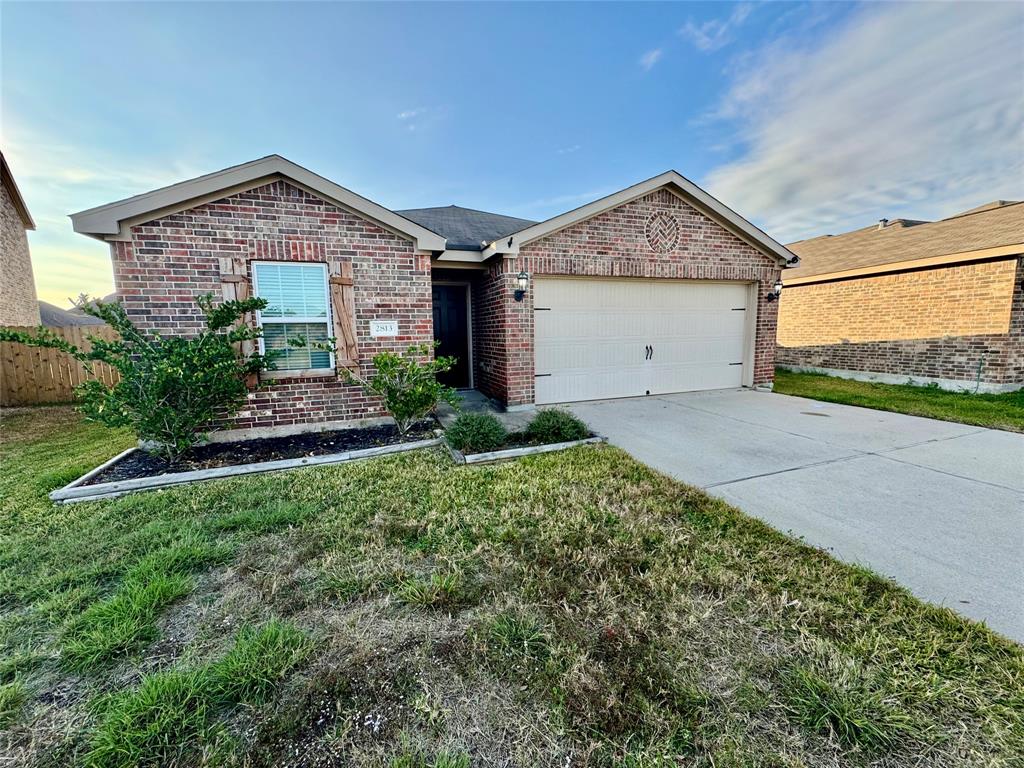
107 221
16 198
704 202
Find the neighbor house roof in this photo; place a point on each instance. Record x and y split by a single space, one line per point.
990 230
51 314
465 228
15 193
111 221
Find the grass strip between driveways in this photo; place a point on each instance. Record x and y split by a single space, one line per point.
998 411
574 608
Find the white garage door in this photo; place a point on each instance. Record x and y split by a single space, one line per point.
622 338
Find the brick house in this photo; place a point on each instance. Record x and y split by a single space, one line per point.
657 288
18 305
938 302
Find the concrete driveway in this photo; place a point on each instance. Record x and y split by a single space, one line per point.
938 506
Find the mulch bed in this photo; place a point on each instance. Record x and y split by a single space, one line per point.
142 464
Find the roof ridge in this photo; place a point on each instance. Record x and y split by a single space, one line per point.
461 208
994 205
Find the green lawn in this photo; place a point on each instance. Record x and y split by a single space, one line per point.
571 609
1004 411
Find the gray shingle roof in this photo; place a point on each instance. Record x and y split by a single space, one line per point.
465 228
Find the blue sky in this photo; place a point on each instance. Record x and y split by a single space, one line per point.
806 118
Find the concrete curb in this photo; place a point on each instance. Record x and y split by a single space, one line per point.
74 492
515 453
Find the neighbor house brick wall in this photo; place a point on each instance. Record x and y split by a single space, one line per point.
174 259
942 323
614 244
18 304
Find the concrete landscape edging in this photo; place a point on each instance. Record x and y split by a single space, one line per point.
514 453
75 491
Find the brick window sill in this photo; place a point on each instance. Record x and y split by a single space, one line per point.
304 373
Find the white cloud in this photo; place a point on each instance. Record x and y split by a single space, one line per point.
420 117
910 110
568 150
651 58
58 178
717 33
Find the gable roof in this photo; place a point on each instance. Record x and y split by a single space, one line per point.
466 229
999 224
675 181
15 193
110 222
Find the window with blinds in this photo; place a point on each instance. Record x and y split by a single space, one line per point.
297 305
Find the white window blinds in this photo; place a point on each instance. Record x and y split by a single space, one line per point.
297 305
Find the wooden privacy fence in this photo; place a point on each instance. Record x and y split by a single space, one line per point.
32 376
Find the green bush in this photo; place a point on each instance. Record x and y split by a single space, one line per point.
476 433
170 386
554 426
407 383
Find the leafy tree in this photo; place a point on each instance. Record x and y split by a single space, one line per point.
171 387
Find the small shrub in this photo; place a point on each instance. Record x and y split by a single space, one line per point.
476 433
554 426
407 383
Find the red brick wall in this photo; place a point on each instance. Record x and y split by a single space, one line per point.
490 333
615 244
171 260
943 323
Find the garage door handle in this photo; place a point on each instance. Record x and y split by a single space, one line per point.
648 352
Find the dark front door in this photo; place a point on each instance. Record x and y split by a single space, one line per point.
451 329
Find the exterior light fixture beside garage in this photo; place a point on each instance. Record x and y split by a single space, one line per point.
522 283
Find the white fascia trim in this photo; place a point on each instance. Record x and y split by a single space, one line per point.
679 184
106 220
474 257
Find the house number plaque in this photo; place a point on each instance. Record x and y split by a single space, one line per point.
383 328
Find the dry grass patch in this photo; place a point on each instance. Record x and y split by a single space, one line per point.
575 609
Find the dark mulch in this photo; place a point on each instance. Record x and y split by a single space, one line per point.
141 464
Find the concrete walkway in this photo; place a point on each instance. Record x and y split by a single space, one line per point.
937 506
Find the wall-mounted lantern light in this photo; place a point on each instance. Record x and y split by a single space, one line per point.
775 291
522 283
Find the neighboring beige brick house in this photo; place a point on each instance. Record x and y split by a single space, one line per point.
18 304
657 288
937 302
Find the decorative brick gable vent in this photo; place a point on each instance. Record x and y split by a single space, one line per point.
662 232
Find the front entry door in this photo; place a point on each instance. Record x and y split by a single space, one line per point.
451 330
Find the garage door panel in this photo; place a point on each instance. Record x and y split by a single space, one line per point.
585 385
591 337
573 354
